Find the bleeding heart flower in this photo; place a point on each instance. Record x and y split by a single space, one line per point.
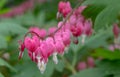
88 27
64 8
77 29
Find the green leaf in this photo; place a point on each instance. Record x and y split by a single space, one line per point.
117 75
92 11
107 17
95 41
104 68
110 67
104 12
107 54
27 69
60 66
30 69
4 63
1 75
27 19
40 19
93 72
99 39
101 2
49 69
4 10
7 28
3 42
2 3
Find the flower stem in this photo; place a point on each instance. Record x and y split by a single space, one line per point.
74 59
68 65
67 18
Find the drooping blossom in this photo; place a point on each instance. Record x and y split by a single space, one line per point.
31 44
64 8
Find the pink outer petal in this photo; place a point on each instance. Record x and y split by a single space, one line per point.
30 44
88 27
59 45
73 19
66 38
52 30
77 29
51 46
41 32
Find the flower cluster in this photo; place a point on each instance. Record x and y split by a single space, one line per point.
42 44
21 9
18 10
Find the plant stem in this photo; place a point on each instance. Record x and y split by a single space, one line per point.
67 18
74 59
68 65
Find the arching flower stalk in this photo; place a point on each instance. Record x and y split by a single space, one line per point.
41 45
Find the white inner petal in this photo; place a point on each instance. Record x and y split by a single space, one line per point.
41 66
83 38
55 58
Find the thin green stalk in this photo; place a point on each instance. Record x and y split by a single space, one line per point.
74 59
68 65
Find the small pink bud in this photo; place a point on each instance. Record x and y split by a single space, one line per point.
75 40
81 66
90 62
116 30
